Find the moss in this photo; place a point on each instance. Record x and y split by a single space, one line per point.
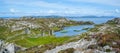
70 50
56 28
107 50
3 29
94 29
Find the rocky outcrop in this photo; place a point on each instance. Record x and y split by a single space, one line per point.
105 40
81 44
6 47
114 21
86 22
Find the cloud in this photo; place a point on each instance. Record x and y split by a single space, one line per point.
38 6
51 11
117 10
12 10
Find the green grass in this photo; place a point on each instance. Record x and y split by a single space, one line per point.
3 29
30 42
56 28
94 29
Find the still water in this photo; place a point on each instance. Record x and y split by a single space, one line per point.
75 30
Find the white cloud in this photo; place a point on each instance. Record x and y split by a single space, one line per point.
12 10
64 8
51 11
117 10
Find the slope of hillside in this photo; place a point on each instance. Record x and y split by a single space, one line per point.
104 38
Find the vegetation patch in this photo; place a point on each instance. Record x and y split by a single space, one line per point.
77 30
64 31
30 42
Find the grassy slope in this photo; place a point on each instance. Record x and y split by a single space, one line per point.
30 42
25 40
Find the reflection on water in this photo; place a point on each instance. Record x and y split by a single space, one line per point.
73 30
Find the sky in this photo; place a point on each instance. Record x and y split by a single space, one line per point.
59 7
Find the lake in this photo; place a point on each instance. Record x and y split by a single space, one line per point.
75 30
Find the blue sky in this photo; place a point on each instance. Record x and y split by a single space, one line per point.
59 7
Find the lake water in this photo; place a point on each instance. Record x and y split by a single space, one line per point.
73 30
70 31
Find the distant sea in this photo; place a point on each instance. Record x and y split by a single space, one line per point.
95 20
